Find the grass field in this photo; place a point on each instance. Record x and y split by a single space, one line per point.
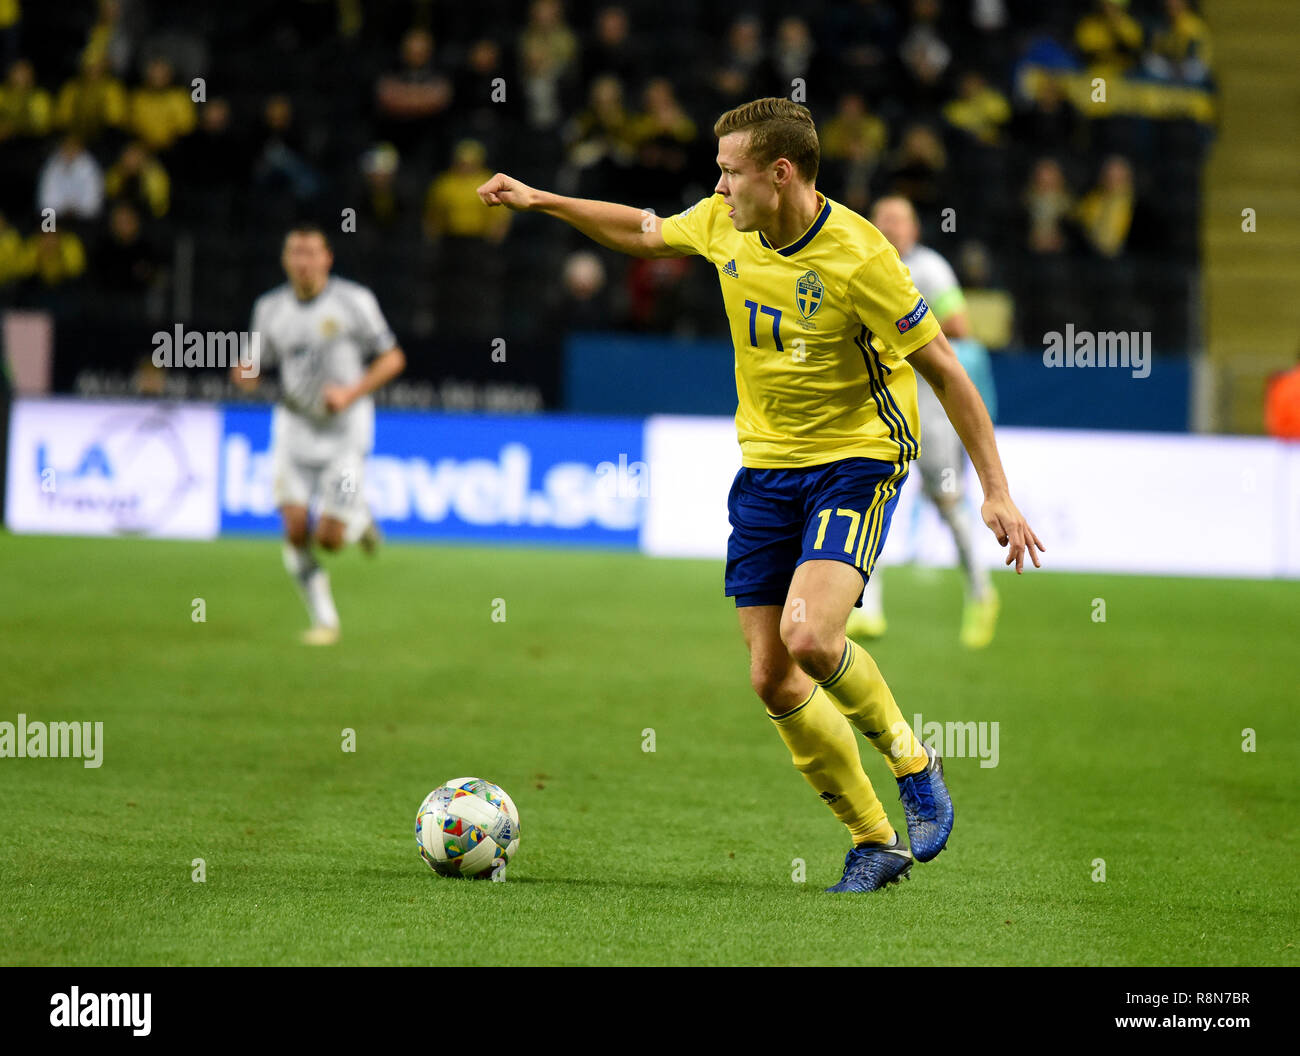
1119 740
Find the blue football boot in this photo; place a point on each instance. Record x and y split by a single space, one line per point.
872 866
928 808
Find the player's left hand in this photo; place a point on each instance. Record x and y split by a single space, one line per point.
337 397
1009 525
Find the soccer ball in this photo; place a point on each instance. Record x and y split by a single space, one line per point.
467 827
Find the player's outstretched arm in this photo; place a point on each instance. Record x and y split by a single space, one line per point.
938 364
621 227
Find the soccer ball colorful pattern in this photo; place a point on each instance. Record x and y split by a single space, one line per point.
467 827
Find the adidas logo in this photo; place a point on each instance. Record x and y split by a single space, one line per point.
829 797
730 269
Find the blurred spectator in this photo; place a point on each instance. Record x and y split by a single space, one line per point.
112 37
216 156
408 98
978 110
382 206
91 102
863 37
603 131
743 73
161 112
612 49
24 106
663 133
452 206
1049 122
793 54
139 178
916 169
71 183
468 290
280 164
1109 38
125 264
925 55
853 133
11 25
584 301
57 257
1180 48
1047 204
548 51
1105 213
657 298
15 259
852 143
475 112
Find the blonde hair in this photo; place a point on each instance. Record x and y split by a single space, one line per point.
778 128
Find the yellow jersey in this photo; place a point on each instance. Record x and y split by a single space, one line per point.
821 330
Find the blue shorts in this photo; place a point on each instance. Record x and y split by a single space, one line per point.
781 518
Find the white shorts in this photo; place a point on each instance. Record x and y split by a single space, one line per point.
336 487
943 459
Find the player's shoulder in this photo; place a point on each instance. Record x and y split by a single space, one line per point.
857 239
349 288
927 257
702 211
357 300
276 295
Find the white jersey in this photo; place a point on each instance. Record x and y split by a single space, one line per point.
323 341
935 281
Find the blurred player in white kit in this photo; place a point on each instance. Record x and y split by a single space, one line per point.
942 460
318 330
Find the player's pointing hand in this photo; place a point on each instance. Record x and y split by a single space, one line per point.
1010 527
503 190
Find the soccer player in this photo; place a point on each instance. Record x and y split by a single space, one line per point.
318 330
827 328
942 461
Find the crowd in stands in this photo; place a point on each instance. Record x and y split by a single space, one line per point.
154 154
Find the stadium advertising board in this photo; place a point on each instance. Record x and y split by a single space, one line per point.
80 467
487 478
1102 501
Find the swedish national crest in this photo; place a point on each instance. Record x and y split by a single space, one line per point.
808 292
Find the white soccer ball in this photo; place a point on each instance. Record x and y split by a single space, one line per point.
467 827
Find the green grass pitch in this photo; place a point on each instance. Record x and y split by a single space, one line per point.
1118 740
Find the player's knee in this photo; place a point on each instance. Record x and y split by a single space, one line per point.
767 680
813 650
295 531
775 686
947 501
329 539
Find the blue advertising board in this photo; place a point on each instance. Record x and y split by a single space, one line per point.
499 478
